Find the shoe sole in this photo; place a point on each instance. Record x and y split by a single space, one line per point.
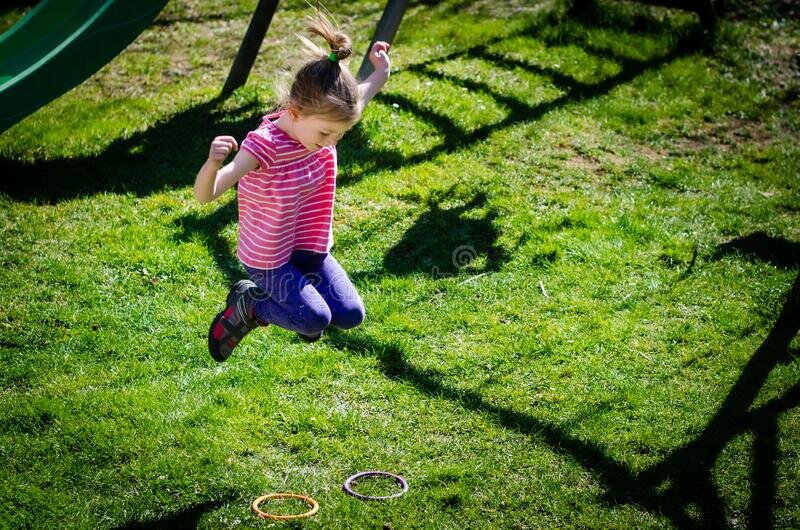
215 354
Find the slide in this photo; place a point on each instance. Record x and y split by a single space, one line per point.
59 44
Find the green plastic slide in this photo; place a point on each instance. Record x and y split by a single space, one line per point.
59 44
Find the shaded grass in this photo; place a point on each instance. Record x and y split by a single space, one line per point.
576 239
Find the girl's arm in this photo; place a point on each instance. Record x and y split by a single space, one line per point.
211 181
379 58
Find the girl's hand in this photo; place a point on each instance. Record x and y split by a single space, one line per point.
379 56
221 147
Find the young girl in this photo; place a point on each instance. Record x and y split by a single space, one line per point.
286 170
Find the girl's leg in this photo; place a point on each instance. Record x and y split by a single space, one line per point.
289 300
331 281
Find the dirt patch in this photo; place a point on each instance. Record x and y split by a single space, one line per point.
505 9
582 162
778 63
648 152
749 131
749 10
614 158
722 137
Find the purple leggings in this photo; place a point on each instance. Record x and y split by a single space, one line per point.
307 294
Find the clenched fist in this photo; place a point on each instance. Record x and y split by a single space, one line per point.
221 147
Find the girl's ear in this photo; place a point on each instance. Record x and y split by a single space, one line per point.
293 111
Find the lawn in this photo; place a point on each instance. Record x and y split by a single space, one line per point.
577 236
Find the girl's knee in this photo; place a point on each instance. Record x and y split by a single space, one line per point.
349 316
312 320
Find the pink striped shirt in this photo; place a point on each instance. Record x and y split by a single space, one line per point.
286 204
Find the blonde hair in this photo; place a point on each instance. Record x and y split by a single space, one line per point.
324 86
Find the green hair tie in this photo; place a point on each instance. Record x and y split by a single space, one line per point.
332 57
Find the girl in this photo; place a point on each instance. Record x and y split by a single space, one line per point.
286 170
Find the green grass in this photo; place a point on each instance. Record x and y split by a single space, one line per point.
576 238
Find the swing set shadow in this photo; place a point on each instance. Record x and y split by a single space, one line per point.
166 155
455 138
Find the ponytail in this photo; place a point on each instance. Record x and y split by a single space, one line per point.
324 85
339 43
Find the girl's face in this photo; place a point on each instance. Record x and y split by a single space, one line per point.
316 132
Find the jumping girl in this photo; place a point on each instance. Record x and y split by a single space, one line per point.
286 170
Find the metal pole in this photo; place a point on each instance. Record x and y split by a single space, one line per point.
387 29
246 57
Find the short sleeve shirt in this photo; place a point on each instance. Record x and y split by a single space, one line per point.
286 204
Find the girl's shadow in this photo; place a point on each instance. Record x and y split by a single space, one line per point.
445 240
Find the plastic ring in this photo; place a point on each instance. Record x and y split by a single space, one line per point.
349 490
264 515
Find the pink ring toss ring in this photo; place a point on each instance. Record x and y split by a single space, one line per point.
347 487
264 515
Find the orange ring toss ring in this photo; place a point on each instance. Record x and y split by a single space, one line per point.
264 515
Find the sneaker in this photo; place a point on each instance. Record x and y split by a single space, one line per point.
237 320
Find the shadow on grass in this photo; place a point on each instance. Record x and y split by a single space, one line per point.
208 227
186 519
394 366
358 160
761 246
168 154
444 240
683 481
688 470
165 156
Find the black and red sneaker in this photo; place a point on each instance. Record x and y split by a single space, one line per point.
237 320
